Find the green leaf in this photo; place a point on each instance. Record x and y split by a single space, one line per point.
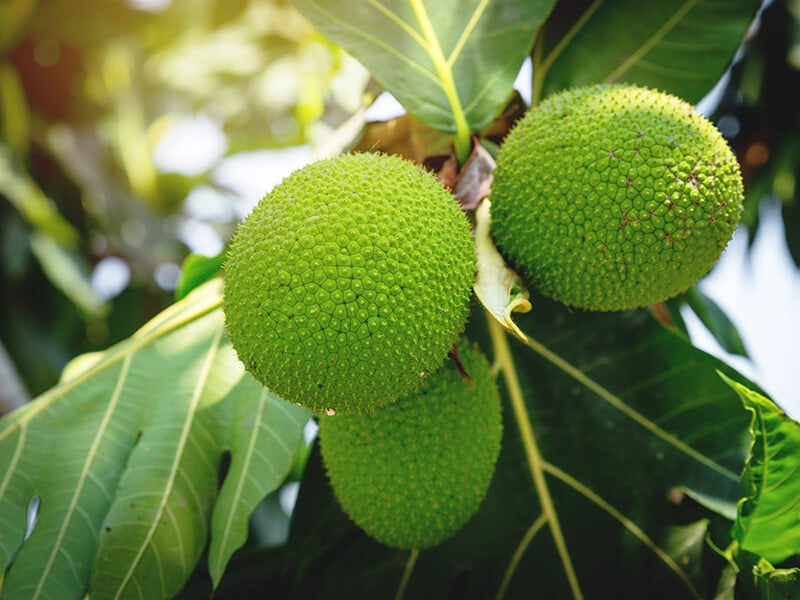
260 458
197 269
451 63
716 321
680 46
124 457
768 523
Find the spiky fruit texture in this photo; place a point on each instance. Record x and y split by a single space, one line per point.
414 473
349 282
613 197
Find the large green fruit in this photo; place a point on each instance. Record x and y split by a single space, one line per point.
613 197
349 282
414 473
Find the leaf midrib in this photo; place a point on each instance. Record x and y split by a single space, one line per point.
251 442
504 358
539 466
428 41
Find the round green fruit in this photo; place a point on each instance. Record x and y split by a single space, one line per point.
413 474
349 282
613 197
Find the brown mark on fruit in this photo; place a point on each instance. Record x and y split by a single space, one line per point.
464 375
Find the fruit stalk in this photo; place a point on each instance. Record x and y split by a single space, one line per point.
503 357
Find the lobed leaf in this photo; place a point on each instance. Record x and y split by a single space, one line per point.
768 521
260 455
123 458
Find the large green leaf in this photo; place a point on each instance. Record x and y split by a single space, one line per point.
681 46
123 460
768 522
612 424
451 63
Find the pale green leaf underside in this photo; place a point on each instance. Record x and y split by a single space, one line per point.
449 62
768 523
124 457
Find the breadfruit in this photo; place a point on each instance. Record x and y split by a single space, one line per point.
613 197
413 474
349 283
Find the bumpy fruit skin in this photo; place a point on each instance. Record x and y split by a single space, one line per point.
613 197
414 473
349 282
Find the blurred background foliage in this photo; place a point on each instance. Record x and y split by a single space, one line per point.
760 115
120 121
117 123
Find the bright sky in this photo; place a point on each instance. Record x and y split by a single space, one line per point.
759 291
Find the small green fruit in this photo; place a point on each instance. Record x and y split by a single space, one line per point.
349 282
613 196
414 473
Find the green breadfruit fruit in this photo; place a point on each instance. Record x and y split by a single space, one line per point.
413 474
349 282
613 197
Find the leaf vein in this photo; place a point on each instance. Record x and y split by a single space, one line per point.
527 538
637 417
503 356
467 32
632 527
397 20
380 44
651 43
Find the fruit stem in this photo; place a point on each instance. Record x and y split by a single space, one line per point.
503 357
412 559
